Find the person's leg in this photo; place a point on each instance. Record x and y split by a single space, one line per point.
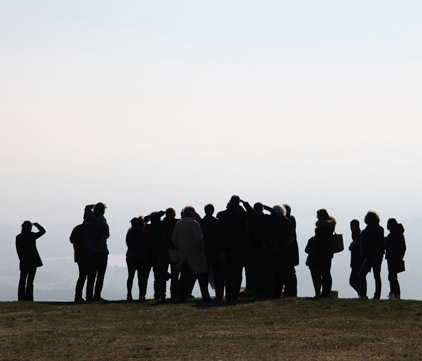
327 281
354 279
22 284
377 276
316 280
83 272
102 266
290 281
186 276
92 274
164 265
130 275
364 270
174 281
203 285
29 294
157 273
145 271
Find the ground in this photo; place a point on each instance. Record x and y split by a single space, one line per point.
284 329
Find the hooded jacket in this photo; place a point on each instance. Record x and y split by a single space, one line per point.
395 244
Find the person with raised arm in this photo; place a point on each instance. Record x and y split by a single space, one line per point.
29 259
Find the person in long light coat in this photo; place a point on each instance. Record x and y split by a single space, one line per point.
188 238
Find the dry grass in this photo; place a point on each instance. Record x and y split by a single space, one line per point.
289 329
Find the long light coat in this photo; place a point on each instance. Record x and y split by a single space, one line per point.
188 238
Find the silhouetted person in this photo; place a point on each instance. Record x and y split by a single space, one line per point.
280 232
292 258
188 238
137 257
78 238
259 252
313 263
169 223
212 236
395 248
29 259
233 222
372 249
355 255
324 230
97 232
158 254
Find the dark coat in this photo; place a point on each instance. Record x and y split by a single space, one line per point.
27 249
355 250
234 235
156 239
395 244
137 246
78 238
292 255
323 233
280 233
372 246
212 235
168 228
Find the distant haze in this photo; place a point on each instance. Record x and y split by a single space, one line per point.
146 105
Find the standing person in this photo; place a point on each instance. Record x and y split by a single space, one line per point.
280 232
395 248
137 257
82 257
169 222
188 238
292 258
372 249
325 226
158 254
97 232
259 253
313 264
233 222
355 255
211 231
29 259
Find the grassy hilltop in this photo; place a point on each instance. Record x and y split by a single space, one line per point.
285 329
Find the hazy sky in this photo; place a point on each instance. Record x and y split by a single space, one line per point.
150 104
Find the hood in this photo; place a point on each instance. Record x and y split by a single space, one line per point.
326 223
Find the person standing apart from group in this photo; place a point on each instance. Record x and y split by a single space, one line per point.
97 232
29 259
355 255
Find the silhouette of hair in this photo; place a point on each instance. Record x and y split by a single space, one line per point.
209 209
134 220
99 209
258 207
323 214
189 211
391 223
372 218
288 210
154 217
354 223
141 221
234 200
26 226
171 213
279 209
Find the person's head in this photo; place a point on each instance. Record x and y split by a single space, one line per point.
391 224
234 201
27 226
288 210
209 209
372 218
154 217
354 225
99 209
189 211
170 213
134 222
280 210
258 207
322 214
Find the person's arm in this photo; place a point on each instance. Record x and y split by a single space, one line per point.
269 209
41 230
247 206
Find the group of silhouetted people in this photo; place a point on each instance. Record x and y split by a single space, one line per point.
216 249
